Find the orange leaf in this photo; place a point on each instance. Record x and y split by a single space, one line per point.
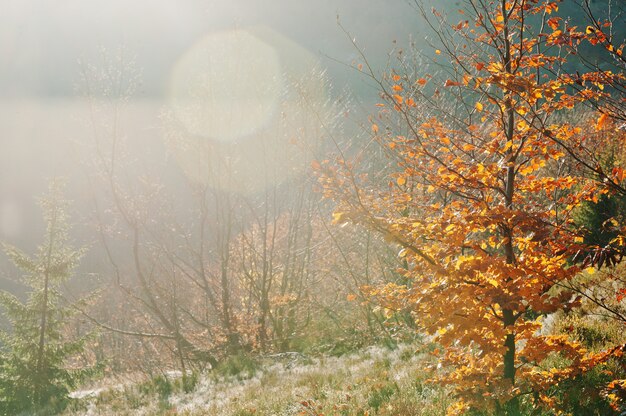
553 22
602 121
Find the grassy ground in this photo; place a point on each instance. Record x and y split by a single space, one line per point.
376 381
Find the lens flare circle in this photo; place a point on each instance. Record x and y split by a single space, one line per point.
226 86
248 111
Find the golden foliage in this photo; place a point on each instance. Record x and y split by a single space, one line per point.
483 210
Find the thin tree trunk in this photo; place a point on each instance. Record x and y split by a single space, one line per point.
508 315
41 350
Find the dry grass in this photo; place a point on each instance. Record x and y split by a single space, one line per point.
377 381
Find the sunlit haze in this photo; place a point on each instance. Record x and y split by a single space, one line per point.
211 71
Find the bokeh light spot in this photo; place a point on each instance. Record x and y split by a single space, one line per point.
226 86
247 111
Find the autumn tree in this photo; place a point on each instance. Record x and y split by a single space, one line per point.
481 203
590 47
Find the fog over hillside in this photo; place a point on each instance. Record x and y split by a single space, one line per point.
55 54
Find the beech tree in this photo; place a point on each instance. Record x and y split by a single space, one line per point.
482 200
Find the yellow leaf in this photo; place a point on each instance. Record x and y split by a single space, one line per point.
338 217
438 52
479 106
374 128
493 282
401 181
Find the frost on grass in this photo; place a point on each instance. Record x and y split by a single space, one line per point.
377 380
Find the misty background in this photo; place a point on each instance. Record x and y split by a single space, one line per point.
58 56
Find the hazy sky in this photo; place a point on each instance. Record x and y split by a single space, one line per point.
42 41
45 43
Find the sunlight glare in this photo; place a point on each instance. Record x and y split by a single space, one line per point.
247 110
226 86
